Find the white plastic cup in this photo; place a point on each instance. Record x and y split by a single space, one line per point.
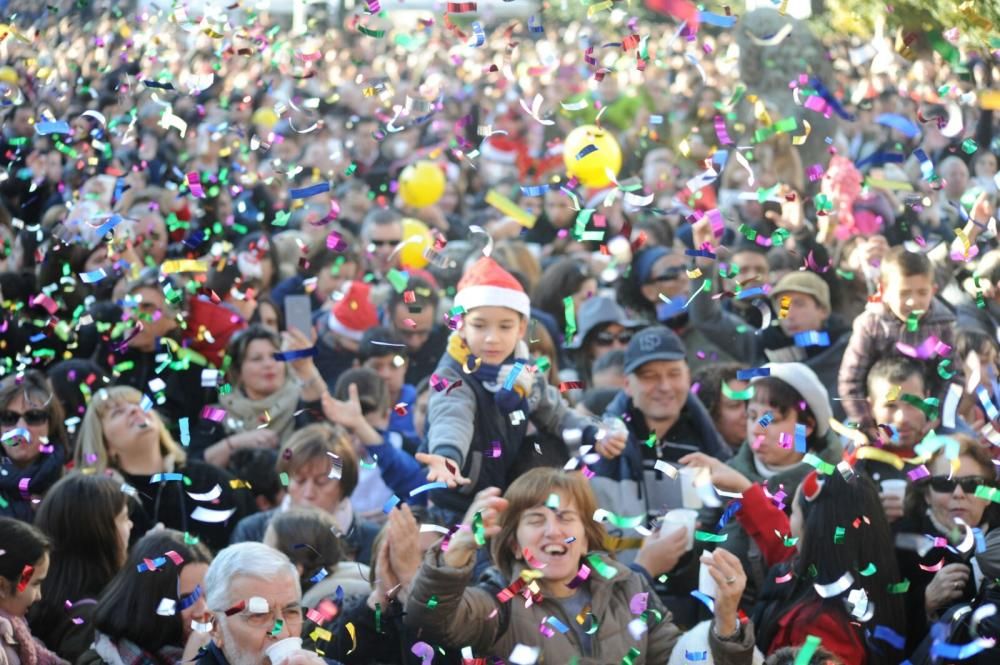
278 652
894 487
686 518
706 583
689 490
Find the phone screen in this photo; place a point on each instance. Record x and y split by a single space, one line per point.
298 313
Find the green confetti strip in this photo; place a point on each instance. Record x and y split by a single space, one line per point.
807 650
815 462
478 531
838 535
737 396
570 312
900 587
869 570
707 537
603 569
278 625
988 493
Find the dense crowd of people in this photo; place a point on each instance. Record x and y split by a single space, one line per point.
434 336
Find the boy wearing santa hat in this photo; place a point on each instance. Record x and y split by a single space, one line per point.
485 391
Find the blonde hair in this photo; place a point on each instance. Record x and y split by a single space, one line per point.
92 449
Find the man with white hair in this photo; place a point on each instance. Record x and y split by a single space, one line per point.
253 594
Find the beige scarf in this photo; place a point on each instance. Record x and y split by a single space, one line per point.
245 415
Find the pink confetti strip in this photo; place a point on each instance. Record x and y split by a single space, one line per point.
721 132
818 104
213 413
175 557
194 184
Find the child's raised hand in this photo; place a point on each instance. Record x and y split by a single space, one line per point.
442 469
346 414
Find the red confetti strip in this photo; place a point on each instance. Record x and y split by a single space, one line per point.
26 574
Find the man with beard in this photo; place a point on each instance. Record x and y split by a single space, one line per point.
255 600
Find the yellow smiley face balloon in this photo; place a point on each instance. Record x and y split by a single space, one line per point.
588 151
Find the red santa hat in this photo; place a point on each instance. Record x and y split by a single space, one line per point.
502 149
486 284
354 313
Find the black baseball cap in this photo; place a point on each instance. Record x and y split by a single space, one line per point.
654 343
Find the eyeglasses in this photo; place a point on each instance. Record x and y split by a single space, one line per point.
289 616
946 485
32 417
607 338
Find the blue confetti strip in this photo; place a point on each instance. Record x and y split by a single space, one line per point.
306 192
58 127
710 18
165 477
800 438
830 99
109 225
900 123
157 562
747 374
190 599
708 602
438 485
390 504
557 624
534 190
879 158
812 338
730 511
285 356
746 294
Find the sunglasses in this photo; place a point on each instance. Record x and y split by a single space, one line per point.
606 338
946 485
32 418
384 243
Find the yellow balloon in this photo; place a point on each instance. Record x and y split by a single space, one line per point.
9 75
412 253
589 167
421 184
265 117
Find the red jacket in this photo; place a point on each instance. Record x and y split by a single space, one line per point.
760 518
